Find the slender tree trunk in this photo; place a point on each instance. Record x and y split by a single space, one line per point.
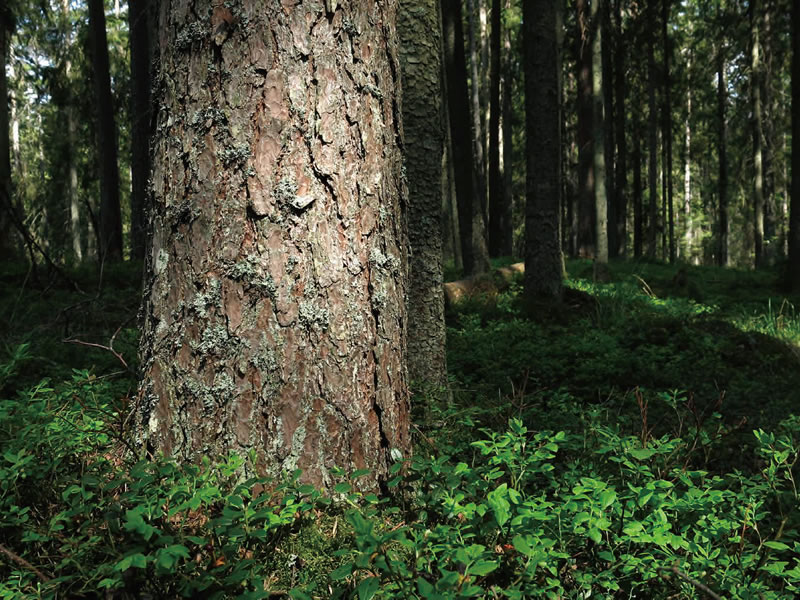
621 169
543 263
688 236
471 224
496 199
638 224
507 149
110 213
274 308
478 124
770 115
7 246
758 133
652 134
722 134
419 26
587 212
139 32
665 8
609 131
449 196
599 145
793 271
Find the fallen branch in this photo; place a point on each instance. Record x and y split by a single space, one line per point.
700 586
25 564
485 283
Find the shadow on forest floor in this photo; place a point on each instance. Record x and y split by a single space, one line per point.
726 339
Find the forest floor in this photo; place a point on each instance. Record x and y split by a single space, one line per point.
602 445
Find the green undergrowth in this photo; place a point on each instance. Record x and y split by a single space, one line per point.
636 441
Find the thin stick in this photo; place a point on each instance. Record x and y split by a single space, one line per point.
24 563
93 345
700 586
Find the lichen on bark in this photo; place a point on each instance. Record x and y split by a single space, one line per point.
277 179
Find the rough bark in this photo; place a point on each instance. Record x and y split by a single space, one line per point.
543 262
274 309
586 201
110 213
722 154
419 26
652 134
496 200
793 273
139 32
599 142
471 224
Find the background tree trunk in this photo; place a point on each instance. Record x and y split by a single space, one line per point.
758 132
543 263
274 310
110 213
7 250
794 215
419 26
621 169
599 144
652 132
496 203
722 134
507 147
470 211
476 112
139 32
586 201
665 8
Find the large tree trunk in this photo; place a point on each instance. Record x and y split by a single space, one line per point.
419 26
139 32
274 310
794 216
543 263
496 200
586 213
470 211
599 144
722 135
110 213
652 133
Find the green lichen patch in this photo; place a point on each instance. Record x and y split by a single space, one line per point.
311 316
191 33
235 154
212 297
